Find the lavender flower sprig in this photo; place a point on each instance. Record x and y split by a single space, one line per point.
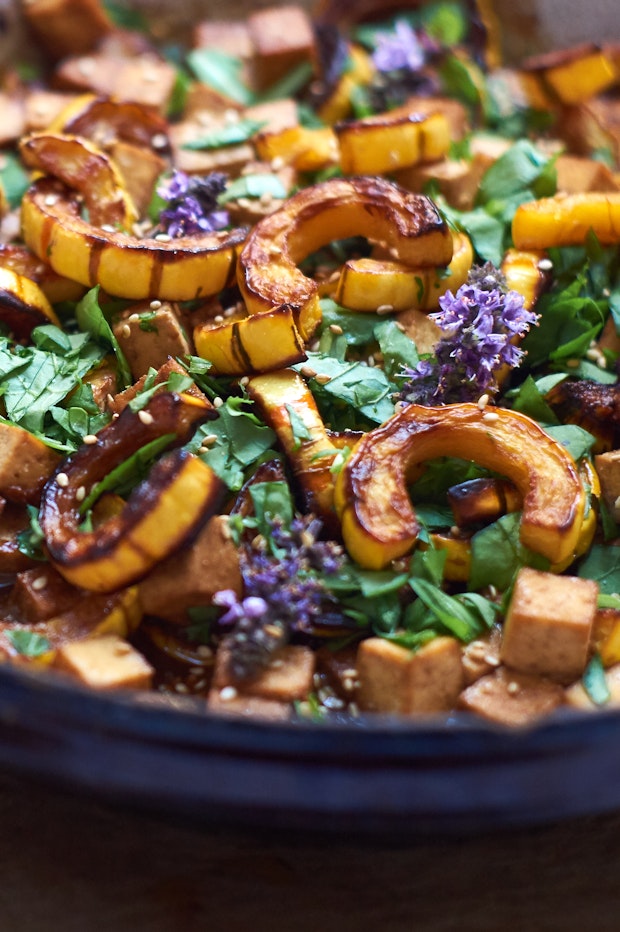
191 204
400 49
480 324
283 593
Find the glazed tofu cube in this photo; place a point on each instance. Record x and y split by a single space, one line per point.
288 677
511 698
282 37
577 174
41 593
227 35
140 168
457 179
26 463
548 625
149 336
607 466
481 657
106 662
395 679
67 27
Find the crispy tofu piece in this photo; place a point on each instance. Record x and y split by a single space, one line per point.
149 336
577 173
394 679
103 382
457 179
281 37
549 624
67 27
607 466
26 464
488 148
229 159
289 676
592 125
231 703
140 169
43 106
274 114
227 35
481 657
511 698
41 593
120 401
193 575
12 118
145 79
105 662
576 696
420 328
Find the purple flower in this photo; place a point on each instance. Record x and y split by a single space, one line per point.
283 593
480 324
191 204
398 50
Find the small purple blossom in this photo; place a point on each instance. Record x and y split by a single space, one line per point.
283 593
191 204
480 324
398 50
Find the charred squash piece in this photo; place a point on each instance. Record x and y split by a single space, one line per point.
22 261
385 142
306 148
367 284
82 165
480 501
179 493
523 273
591 405
104 120
341 207
569 76
286 403
378 521
23 305
566 220
250 344
175 270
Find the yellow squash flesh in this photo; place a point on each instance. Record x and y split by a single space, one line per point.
566 220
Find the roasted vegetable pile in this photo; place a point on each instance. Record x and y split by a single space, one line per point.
309 347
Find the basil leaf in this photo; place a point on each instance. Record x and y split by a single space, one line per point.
602 564
497 554
91 319
14 179
452 614
221 72
299 429
253 186
240 439
398 349
516 170
271 500
28 643
230 135
127 474
578 442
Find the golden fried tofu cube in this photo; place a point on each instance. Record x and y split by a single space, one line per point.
148 337
481 656
395 679
67 27
577 173
43 106
457 179
607 466
288 677
106 662
228 35
511 698
26 463
140 168
282 37
548 625
420 328
40 593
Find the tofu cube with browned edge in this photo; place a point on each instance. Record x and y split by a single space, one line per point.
511 698
607 466
149 334
282 37
548 625
395 679
105 662
289 676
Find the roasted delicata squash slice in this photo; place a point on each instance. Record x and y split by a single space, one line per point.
378 520
80 164
173 270
179 493
23 262
368 284
388 141
105 120
566 220
251 344
568 76
268 275
23 304
306 148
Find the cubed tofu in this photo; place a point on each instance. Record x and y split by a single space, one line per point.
457 179
120 401
481 657
592 125
395 679
145 79
140 168
229 159
511 698
274 115
420 328
192 576
40 593
289 676
226 35
106 662
26 464
577 174
148 336
548 625
67 27
230 702
282 37
607 466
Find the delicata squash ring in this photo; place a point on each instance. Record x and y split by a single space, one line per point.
371 497
409 224
172 270
160 513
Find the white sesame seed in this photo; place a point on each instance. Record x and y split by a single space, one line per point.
155 305
244 380
209 440
146 417
159 141
323 379
50 200
491 660
89 439
203 650
336 328
62 479
86 66
385 309
308 372
133 318
228 693
483 402
277 163
266 198
39 583
107 228
218 402
163 238
231 116
545 265
275 250
490 416
126 331
80 495
181 688
218 319
513 688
